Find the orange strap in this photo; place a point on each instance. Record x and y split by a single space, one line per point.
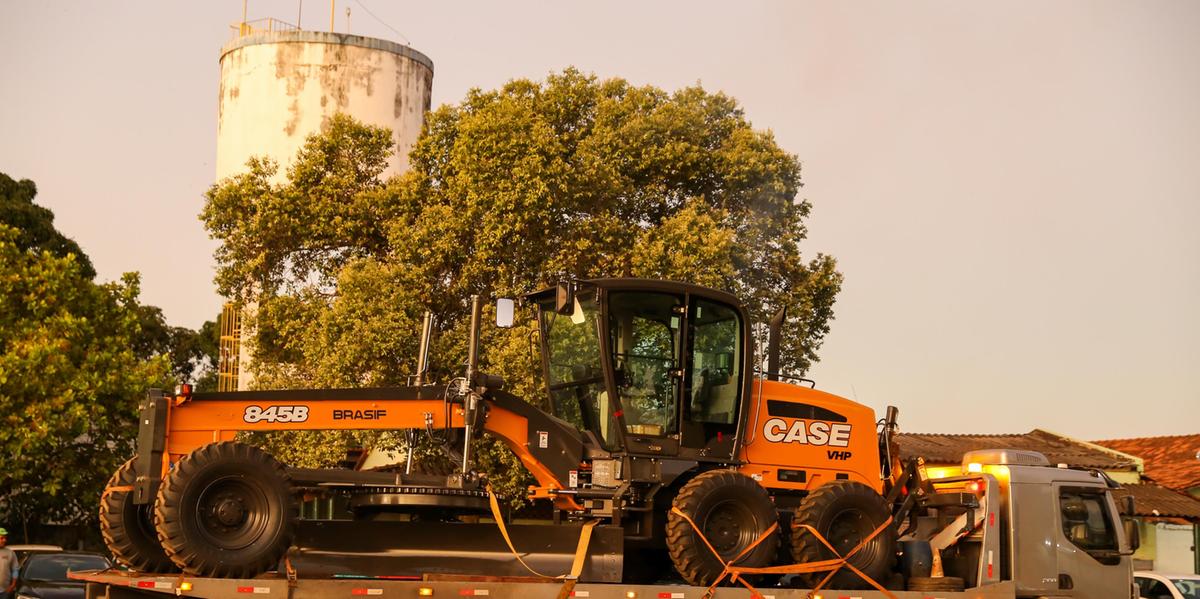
730 570
115 489
569 580
831 566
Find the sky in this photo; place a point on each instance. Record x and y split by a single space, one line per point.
1011 189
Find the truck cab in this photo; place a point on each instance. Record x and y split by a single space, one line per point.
1048 530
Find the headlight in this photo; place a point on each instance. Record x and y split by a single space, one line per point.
24 596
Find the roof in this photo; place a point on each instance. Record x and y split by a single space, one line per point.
1151 500
1173 461
1059 449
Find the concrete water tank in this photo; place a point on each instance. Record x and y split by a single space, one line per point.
279 87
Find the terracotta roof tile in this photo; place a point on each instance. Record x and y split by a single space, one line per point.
949 449
1151 500
1173 462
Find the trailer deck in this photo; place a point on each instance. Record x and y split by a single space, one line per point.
114 584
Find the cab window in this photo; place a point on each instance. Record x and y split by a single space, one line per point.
645 330
716 371
1085 520
1149 588
575 374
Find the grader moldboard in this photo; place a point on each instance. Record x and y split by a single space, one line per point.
663 446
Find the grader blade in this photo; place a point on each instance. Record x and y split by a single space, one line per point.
334 548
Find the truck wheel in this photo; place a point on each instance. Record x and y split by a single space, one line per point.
732 511
226 510
128 529
943 583
845 513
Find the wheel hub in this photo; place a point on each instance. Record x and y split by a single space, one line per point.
848 530
729 527
723 532
230 511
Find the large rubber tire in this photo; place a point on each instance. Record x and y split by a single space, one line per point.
944 583
845 513
226 510
732 510
128 529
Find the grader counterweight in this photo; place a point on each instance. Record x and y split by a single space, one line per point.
660 432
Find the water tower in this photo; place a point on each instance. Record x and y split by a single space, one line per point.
280 84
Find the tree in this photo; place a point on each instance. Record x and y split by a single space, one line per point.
34 224
70 381
509 191
75 359
193 354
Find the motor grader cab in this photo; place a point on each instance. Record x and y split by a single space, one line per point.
660 430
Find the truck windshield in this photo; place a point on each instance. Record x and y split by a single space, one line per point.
575 374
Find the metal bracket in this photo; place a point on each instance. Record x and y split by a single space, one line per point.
151 444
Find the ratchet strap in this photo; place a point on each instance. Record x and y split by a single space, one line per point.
738 573
115 489
569 580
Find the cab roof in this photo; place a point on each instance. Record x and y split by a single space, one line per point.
636 284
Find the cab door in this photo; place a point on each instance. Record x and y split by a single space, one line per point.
645 340
1090 539
712 397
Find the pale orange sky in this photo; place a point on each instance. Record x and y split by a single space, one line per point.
1010 188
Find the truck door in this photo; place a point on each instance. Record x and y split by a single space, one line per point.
1089 541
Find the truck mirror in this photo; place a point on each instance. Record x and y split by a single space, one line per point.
1127 503
504 312
1133 534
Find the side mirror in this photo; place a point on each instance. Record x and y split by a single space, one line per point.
1128 505
564 299
505 307
1133 534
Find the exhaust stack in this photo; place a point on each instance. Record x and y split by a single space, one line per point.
776 332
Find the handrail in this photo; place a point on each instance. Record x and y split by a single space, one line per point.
265 25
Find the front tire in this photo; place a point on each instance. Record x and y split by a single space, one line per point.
845 513
732 511
226 510
128 529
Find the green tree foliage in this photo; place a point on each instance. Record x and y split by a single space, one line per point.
70 380
34 224
75 359
193 354
509 191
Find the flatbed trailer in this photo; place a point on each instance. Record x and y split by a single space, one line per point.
113 584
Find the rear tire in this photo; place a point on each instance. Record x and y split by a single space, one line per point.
226 510
128 529
845 513
732 510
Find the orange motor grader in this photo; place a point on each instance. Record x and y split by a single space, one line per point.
661 431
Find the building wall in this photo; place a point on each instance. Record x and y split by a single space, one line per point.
1175 551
